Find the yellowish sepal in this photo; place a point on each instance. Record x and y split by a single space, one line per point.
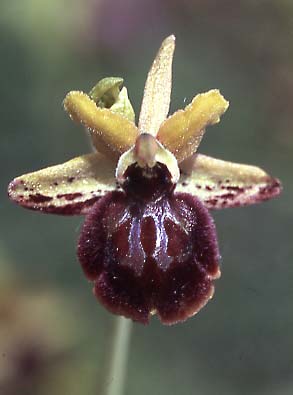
157 91
219 184
68 188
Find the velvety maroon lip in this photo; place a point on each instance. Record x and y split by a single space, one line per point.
148 249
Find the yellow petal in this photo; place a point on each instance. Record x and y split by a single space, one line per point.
111 133
68 189
182 132
157 91
219 184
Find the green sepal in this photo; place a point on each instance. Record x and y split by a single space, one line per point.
123 106
107 93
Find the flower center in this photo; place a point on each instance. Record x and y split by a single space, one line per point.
147 183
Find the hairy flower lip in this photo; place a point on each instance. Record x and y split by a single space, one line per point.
136 278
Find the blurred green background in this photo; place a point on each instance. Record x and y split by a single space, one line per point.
54 336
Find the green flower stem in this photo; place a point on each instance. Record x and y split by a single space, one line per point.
115 379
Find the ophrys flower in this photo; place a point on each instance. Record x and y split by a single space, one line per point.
148 242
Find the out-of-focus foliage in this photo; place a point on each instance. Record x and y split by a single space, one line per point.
240 343
39 337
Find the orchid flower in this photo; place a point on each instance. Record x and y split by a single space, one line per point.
148 242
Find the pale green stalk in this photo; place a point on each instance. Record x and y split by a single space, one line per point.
116 374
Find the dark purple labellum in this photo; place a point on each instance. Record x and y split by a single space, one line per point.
150 250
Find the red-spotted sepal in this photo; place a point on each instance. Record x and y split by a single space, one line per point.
221 184
68 189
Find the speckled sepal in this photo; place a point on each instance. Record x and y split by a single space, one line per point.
220 184
67 189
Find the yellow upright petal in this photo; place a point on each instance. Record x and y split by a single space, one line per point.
157 91
182 132
111 133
